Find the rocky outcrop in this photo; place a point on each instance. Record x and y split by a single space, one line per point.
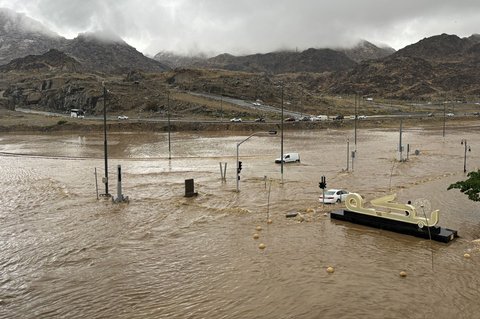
51 60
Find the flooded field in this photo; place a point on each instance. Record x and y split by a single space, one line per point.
65 254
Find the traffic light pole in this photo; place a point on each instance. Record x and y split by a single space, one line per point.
323 185
238 146
238 176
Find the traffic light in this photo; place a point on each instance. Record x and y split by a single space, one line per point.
323 183
239 166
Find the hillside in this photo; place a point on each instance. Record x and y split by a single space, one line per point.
21 36
51 60
435 67
101 54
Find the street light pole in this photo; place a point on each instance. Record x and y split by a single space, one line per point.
356 101
105 138
348 153
169 129
444 117
238 146
281 142
464 142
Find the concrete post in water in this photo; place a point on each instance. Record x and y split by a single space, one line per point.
400 146
120 198
96 182
190 188
223 172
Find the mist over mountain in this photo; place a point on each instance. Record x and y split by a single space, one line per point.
21 36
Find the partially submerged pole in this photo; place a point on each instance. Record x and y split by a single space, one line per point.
400 147
120 198
105 140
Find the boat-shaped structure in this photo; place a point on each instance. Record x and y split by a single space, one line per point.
390 215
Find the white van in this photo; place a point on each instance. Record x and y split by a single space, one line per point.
289 158
77 113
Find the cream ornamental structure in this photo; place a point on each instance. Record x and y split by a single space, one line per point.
394 211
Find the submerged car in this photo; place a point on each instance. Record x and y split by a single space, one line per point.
333 196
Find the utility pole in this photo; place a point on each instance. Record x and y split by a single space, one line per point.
105 138
348 153
281 143
356 98
400 147
444 116
169 129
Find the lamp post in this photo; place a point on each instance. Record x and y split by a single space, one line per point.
348 153
105 138
238 146
169 128
281 141
464 142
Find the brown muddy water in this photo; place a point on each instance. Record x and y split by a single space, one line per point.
65 254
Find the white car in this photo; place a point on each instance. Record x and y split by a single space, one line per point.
236 120
450 114
289 158
333 196
362 117
123 117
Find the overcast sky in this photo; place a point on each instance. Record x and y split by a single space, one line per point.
251 26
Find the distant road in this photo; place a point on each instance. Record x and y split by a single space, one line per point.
243 103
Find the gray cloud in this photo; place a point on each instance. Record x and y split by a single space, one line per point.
250 26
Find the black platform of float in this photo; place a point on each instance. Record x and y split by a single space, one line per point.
437 233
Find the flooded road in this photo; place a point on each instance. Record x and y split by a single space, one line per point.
65 254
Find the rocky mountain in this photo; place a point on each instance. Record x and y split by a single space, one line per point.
365 50
443 65
311 60
21 36
179 61
51 60
441 48
97 52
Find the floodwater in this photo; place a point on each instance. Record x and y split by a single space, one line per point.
65 254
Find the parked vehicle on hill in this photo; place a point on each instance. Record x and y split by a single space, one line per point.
123 117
